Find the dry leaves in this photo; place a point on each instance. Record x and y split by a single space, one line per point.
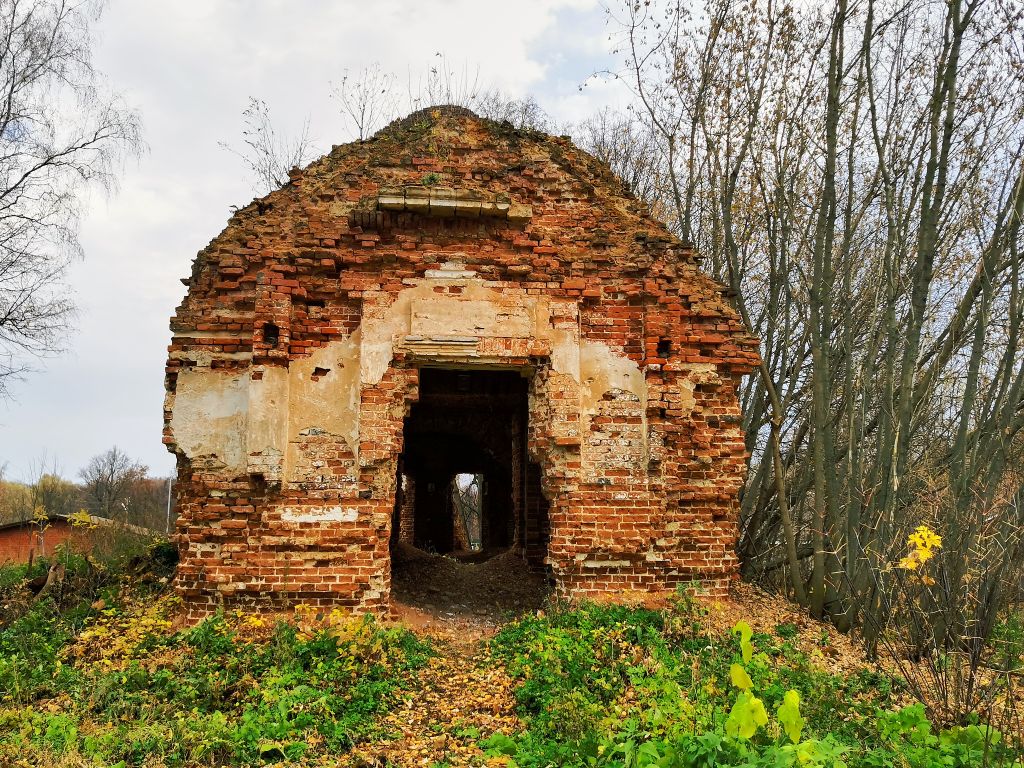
461 696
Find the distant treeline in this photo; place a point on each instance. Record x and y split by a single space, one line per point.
112 485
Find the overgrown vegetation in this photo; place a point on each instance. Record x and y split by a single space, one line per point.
106 681
95 672
619 686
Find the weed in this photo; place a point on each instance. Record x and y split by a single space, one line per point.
116 686
787 631
612 686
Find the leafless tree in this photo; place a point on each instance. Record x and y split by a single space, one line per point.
442 82
855 174
631 148
368 99
524 114
268 153
147 505
467 503
108 481
61 132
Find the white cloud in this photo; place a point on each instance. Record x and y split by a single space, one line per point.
190 68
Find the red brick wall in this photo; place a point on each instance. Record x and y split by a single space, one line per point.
639 491
17 543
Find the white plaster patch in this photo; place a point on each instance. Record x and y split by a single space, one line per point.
266 434
602 369
481 311
210 417
433 316
565 352
319 514
329 405
697 373
451 270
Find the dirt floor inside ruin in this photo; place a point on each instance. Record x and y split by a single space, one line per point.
430 590
457 601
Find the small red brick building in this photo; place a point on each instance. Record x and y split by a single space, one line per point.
452 296
27 540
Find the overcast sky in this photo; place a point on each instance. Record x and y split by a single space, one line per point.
189 67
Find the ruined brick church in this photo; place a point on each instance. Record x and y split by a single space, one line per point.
452 296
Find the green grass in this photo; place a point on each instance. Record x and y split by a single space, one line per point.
615 686
95 675
114 686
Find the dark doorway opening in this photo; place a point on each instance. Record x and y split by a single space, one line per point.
470 531
463 467
470 528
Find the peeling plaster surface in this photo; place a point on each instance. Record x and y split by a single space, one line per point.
602 370
272 413
454 325
698 373
330 404
431 317
565 352
377 348
210 418
268 415
203 359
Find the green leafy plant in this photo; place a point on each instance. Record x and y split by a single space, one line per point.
626 687
789 716
115 684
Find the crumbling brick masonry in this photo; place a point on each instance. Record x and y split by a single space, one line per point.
451 295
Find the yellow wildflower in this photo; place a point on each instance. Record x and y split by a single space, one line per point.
924 538
909 563
922 542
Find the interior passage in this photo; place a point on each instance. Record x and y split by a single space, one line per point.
465 484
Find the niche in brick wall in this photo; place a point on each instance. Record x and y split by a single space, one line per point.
271 334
